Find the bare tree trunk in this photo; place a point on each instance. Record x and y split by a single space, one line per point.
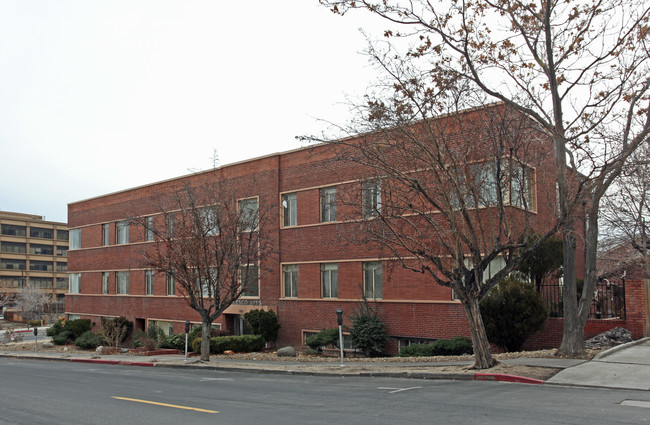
205 340
482 357
573 342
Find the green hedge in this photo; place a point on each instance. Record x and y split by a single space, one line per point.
238 344
88 339
442 347
78 327
323 339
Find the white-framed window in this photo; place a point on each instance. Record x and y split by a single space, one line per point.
105 282
148 229
105 234
290 209
122 283
372 279
148 280
75 238
249 214
290 281
122 232
171 224
328 204
521 187
209 221
171 284
329 280
75 283
249 278
371 198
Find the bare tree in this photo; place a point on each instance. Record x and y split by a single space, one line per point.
579 69
209 243
449 197
32 301
626 212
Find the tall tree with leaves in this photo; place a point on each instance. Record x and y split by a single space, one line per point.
579 69
209 242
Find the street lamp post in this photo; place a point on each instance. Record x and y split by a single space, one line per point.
339 320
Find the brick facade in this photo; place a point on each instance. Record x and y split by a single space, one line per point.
412 305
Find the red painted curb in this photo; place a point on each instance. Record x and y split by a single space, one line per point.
120 362
505 378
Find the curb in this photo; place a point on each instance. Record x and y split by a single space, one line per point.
506 378
113 362
616 348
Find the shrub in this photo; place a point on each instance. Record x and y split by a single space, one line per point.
34 323
55 329
368 332
114 331
88 339
77 327
123 322
63 338
323 339
441 347
264 323
512 311
153 338
174 341
238 344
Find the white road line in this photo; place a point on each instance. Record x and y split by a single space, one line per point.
398 390
636 403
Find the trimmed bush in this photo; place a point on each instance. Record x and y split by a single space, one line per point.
441 347
175 341
55 329
323 339
512 311
238 344
264 323
34 323
88 339
63 338
77 327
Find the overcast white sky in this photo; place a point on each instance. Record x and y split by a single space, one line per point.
100 96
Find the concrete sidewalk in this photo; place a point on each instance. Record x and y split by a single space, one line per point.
626 366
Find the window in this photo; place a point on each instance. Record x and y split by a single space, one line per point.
290 209
248 213
209 221
104 282
75 238
484 179
122 232
329 280
372 279
61 267
9 264
371 199
148 277
62 251
40 232
148 230
105 234
250 280
75 283
11 281
11 230
521 187
171 284
62 235
62 282
40 282
41 249
290 280
122 283
328 204
13 247
171 224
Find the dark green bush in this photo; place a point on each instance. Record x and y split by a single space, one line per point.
78 327
55 329
88 339
238 344
63 338
264 323
174 341
512 311
368 332
323 339
441 347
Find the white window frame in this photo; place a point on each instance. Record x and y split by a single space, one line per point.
105 234
148 282
290 209
171 285
105 285
122 232
371 198
329 280
373 286
75 238
290 281
247 213
75 283
328 204
122 283
148 229
246 269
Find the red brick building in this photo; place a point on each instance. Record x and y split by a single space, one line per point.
313 270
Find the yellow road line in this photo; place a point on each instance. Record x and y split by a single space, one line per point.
166 405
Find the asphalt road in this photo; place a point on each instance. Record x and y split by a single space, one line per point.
48 392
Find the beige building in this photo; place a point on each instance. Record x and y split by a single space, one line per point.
33 254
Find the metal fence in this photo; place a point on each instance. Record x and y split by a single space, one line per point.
608 302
